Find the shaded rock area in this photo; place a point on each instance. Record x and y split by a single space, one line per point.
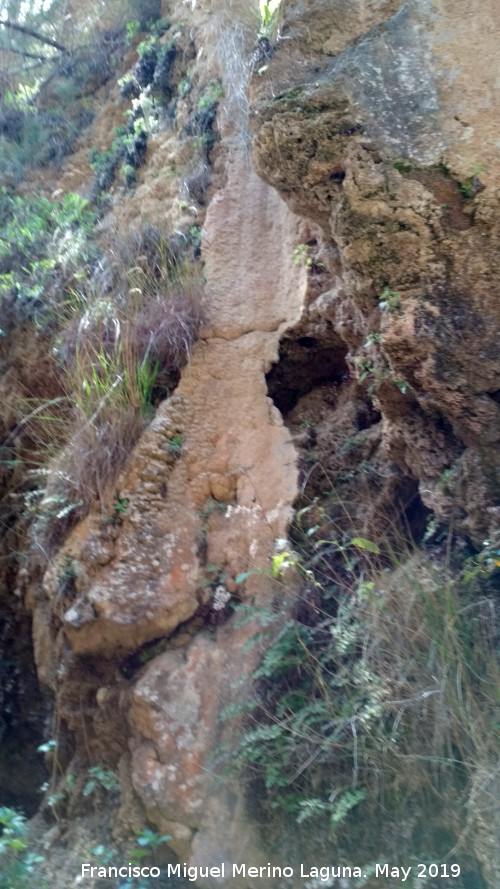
23 725
347 364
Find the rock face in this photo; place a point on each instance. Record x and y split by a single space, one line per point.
350 333
208 490
175 728
198 513
386 146
375 146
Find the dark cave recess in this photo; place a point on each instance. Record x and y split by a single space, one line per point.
306 362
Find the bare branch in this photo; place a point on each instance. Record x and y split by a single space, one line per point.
37 36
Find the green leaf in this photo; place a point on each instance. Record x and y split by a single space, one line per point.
242 577
47 746
363 543
18 845
89 788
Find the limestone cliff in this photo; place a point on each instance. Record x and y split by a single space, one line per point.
344 198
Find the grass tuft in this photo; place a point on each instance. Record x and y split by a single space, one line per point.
134 322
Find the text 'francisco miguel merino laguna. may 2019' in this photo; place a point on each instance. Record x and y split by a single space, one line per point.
324 873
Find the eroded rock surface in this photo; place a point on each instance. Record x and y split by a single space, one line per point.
370 148
208 490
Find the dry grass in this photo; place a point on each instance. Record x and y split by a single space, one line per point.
435 645
137 320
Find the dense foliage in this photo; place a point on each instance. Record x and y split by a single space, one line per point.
377 695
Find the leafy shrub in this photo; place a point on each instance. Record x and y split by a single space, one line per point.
42 247
129 88
17 863
129 147
103 164
200 122
163 71
381 685
145 66
129 175
152 69
40 121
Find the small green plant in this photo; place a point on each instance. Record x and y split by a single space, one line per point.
120 505
103 853
371 340
184 87
53 506
47 746
147 48
103 164
103 778
68 569
67 576
269 19
478 168
211 507
215 576
147 840
468 190
366 368
195 236
343 803
390 300
211 94
129 88
481 569
403 167
161 25
13 830
301 256
403 386
132 29
473 185
174 445
129 175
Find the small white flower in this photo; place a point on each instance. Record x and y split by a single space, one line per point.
221 598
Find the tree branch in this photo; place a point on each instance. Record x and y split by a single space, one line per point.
29 31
